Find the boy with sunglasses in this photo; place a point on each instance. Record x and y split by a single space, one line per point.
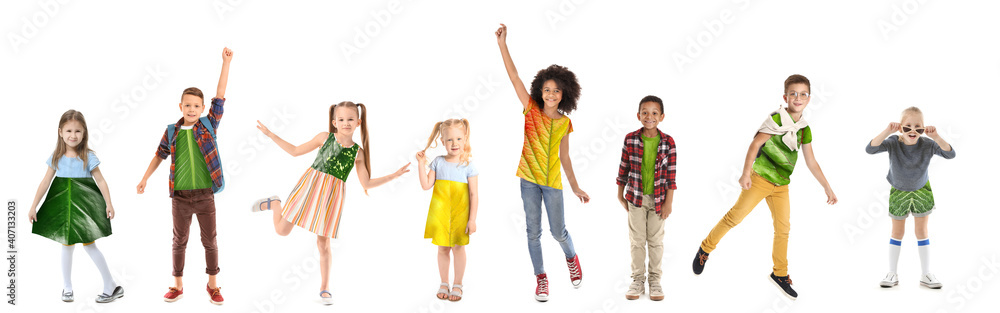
909 157
766 171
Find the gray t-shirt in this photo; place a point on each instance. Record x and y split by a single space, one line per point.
908 164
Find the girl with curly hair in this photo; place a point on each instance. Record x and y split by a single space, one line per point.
554 93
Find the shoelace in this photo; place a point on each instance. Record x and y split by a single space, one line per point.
574 270
174 290
216 291
789 279
543 285
702 258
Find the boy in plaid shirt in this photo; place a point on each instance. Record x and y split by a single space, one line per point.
646 190
195 175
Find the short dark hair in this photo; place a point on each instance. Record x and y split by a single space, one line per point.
651 98
565 80
797 79
194 91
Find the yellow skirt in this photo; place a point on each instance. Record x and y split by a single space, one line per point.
448 214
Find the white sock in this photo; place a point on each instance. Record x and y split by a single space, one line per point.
98 257
924 246
894 246
67 268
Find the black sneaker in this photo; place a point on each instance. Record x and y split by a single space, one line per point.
785 284
699 261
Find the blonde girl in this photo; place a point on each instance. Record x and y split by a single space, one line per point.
452 214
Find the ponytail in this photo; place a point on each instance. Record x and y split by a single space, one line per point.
438 132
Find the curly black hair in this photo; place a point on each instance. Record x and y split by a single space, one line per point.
564 79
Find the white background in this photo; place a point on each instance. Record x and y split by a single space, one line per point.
423 61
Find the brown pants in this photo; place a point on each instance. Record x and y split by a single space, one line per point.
198 202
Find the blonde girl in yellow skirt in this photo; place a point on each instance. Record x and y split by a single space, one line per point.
452 214
317 200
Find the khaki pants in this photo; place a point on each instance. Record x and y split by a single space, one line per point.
777 201
645 229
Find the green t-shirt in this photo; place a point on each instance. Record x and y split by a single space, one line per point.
649 150
190 170
775 161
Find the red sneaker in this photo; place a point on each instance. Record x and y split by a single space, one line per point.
542 290
214 294
173 295
575 273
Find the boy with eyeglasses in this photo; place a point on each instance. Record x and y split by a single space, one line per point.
766 171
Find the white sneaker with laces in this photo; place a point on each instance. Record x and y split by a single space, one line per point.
929 281
889 281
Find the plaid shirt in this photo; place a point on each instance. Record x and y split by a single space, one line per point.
205 143
630 170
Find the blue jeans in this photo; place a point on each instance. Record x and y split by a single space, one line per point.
532 195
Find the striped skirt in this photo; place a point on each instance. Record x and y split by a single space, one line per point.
316 203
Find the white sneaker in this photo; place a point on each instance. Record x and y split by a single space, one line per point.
929 281
638 287
889 280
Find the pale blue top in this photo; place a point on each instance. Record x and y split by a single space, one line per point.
444 170
73 167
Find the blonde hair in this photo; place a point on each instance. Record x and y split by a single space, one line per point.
907 112
438 131
362 114
81 149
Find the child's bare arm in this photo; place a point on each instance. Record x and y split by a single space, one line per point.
473 204
567 165
227 56
316 142
105 191
366 181
668 204
758 141
426 176
817 172
153 164
42 187
522 93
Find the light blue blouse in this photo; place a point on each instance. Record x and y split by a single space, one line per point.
444 170
73 167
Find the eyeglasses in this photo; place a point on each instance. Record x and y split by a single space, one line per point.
795 95
907 129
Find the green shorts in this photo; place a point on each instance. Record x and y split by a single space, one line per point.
919 202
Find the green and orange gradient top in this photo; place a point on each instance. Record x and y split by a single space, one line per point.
540 154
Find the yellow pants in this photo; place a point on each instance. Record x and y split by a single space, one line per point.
777 201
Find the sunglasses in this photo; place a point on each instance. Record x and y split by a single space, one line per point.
907 129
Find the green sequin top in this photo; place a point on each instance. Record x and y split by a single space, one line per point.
335 159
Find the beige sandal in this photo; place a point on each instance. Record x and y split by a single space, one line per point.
456 294
443 292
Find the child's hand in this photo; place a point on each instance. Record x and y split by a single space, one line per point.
831 198
502 34
32 216
421 158
470 228
665 211
745 182
111 212
263 129
141 188
623 202
402 170
581 194
892 128
931 131
227 55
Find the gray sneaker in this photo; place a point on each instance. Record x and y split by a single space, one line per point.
655 290
106 298
637 288
67 296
